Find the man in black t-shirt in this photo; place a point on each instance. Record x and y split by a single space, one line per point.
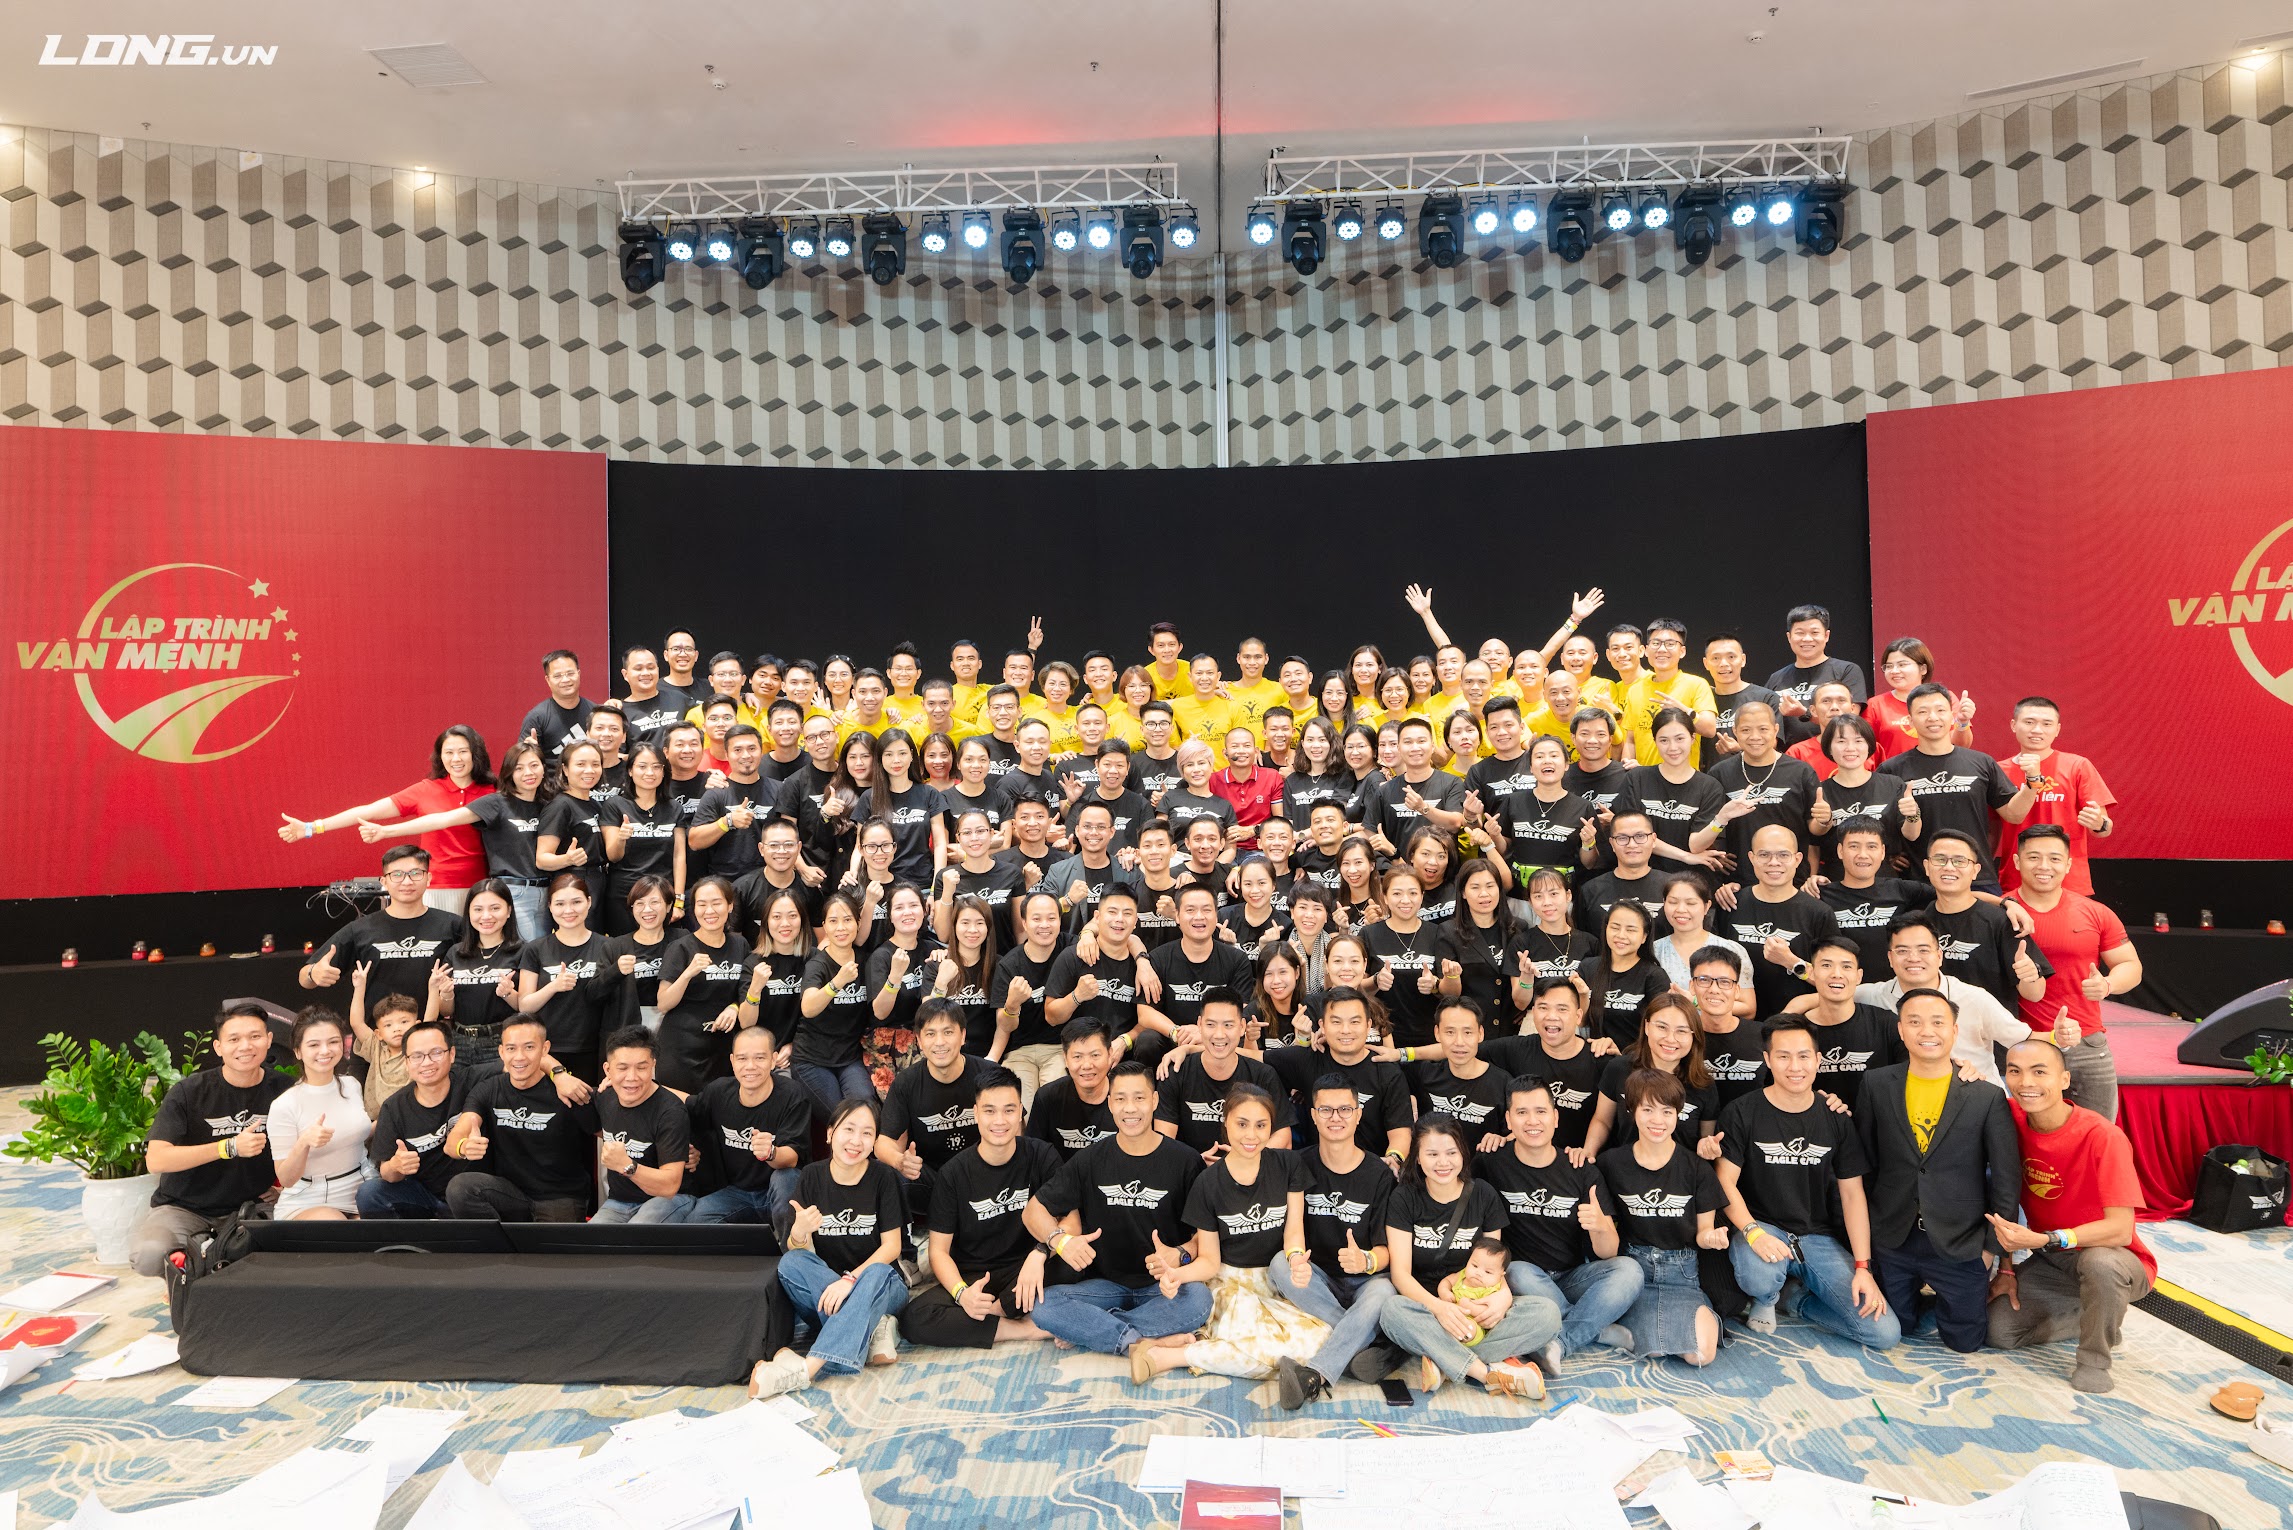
1985 943
1562 1235
1733 1051
1632 840
409 1142
927 1117
536 1150
1417 794
1724 664
1863 901
1383 1124
1808 630
207 1143
1191 1108
1772 788
1345 1222
1114 1215
1774 921
649 708
560 721
1793 1171
642 1136
726 824
1957 788
1851 1037
1070 1112
401 940
1189 968
986 1271
754 1133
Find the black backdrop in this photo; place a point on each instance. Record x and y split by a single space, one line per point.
1723 533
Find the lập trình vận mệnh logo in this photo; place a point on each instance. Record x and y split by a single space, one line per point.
2260 596
144 634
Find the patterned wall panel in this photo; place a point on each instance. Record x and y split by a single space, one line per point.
2120 234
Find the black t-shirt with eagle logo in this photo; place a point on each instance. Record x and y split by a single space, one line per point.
1792 1162
1658 1208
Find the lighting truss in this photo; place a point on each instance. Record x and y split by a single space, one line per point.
1634 165
907 190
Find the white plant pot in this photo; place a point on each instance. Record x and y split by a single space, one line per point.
112 1208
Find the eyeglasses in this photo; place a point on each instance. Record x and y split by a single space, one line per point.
1631 839
433 1055
1336 1112
1775 855
1950 862
415 875
1713 982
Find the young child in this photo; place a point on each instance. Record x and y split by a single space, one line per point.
381 1041
1482 1277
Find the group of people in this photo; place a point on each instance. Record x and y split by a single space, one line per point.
1447 1017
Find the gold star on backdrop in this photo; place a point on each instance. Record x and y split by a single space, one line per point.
259 589
278 613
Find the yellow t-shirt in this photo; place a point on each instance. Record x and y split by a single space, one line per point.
1507 687
1249 702
1300 713
1436 708
846 727
1173 687
1593 691
1064 738
1649 696
969 702
909 713
1923 1102
744 714
1544 720
1205 720
1121 724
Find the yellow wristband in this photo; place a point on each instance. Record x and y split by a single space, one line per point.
223 1148
1060 1242
961 1286
1752 1234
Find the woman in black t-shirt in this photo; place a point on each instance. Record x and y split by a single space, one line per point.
1192 798
507 822
1030 1044
971 792
919 839
1409 965
776 969
1357 883
1480 941
644 836
1357 746
842 1267
1853 796
1249 1211
870 884
1254 922
1620 982
964 973
703 975
835 1010
569 838
1681 801
1670 1041
1431 852
1432 1221
1277 1014
1554 945
484 967
977 872
1666 1203
554 974
1319 775
631 964
897 974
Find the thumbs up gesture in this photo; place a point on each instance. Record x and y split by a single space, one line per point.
292 828
316 1135
1163 1259
1351 1258
762 1144
1819 816
474 1146
561 977
2024 968
2066 1031
507 988
1591 1218
404 1162
806 1224
1907 805
324 973
1078 1250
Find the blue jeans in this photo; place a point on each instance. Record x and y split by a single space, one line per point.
1595 1294
1528 1325
1827 1272
1348 1303
829 1087
733 1204
531 905
1109 1317
405 1198
840 1340
652 1211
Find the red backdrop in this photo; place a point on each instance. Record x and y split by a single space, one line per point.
205 632
2127 551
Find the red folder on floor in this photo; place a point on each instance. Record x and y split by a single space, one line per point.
1210 1506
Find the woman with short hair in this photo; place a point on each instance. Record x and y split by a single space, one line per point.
842 1266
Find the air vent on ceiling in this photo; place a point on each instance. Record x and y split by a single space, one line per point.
427 66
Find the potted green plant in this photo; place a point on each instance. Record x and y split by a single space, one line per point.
94 1112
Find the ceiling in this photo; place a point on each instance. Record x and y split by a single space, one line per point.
582 92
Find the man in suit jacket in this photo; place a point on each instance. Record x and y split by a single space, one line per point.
1942 1152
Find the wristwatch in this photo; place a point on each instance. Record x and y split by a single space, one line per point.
1800 970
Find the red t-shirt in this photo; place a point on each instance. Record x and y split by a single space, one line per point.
1253 799
2077 1172
2073 935
1810 750
457 856
2067 783
1891 720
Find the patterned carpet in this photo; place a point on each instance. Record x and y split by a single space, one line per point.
1035 1436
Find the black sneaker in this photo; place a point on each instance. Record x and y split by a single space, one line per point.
1374 1363
1295 1385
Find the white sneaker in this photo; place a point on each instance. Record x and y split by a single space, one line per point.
884 1343
784 1372
2273 1442
1508 1378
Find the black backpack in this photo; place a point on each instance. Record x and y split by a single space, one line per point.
207 1252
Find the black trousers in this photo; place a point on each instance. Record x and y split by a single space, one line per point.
932 1317
491 1198
1961 1287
